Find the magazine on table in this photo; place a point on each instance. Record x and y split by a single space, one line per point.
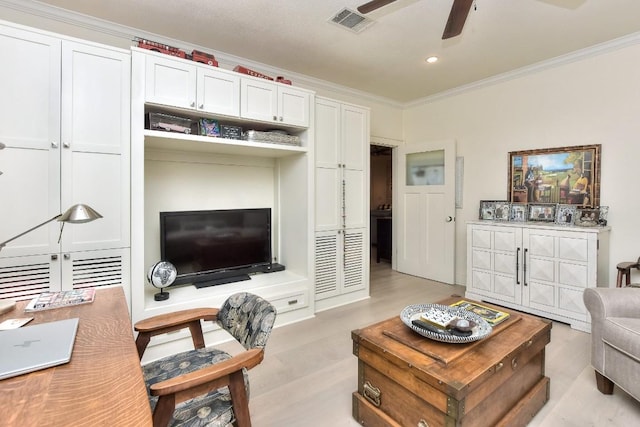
491 315
50 300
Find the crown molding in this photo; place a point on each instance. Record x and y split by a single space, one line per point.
226 60
578 55
36 8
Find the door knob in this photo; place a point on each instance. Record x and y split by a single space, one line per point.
449 218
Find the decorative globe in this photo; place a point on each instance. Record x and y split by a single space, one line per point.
161 275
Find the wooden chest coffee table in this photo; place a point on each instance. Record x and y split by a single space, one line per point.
405 379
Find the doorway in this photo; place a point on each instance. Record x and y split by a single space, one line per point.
380 205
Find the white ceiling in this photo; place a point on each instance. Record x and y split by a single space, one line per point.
386 59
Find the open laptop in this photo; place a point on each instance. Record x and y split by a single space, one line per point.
31 348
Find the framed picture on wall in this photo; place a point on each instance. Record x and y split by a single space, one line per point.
566 175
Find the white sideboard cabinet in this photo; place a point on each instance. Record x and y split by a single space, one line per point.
538 268
341 202
64 119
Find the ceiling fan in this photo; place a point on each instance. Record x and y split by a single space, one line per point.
455 23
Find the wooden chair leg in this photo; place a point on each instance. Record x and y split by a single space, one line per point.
164 410
605 385
239 399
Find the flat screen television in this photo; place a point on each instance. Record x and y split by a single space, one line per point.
216 246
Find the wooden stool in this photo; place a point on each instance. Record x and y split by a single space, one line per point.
624 270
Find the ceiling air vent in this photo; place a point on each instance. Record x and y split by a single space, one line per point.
351 20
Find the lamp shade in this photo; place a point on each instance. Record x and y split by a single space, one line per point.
78 214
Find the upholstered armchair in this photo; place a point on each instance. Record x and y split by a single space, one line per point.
615 338
206 386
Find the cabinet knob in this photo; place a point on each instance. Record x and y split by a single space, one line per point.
201 106
281 119
66 145
66 256
449 218
275 118
54 145
193 104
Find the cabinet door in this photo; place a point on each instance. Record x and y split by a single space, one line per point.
355 155
328 198
170 82
95 141
328 247
341 262
355 262
218 92
27 276
355 137
560 265
495 259
293 106
95 268
259 100
30 130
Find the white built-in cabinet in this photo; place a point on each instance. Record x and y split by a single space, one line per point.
274 102
175 171
185 84
64 118
537 268
341 202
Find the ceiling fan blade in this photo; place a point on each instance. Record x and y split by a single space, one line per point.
373 5
457 17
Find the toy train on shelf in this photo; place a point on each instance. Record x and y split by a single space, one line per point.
202 57
196 55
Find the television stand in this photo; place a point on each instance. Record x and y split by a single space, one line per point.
222 281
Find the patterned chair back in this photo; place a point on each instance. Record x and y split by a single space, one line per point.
249 318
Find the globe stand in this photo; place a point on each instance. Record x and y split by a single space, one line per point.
161 296
161 275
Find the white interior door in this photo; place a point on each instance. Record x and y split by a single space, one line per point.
426 210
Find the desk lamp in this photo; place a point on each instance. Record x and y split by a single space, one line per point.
76 214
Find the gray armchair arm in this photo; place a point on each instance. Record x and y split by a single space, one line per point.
612 302
603 303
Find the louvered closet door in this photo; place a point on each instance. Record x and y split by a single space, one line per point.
27 276
354 263
328 264
341 265
94 268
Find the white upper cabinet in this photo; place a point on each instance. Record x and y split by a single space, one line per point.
179 83
274 102
217 92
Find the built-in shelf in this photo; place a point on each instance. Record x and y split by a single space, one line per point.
181 142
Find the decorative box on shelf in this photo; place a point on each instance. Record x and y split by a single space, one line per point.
209 127
275 137
230 132
168 123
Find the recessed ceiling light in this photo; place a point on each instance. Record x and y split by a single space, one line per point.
432 59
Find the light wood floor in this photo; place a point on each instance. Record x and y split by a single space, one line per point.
309 371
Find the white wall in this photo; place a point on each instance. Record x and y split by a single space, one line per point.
589 101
